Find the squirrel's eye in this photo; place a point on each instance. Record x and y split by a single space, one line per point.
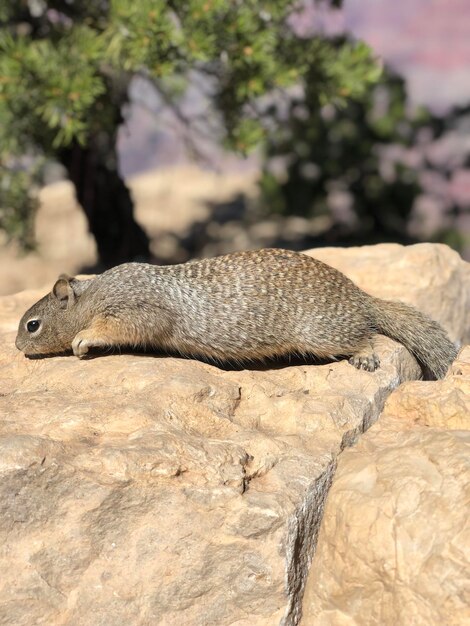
32 326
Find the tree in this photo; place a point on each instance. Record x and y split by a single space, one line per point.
66 66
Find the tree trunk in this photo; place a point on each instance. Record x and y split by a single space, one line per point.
107 204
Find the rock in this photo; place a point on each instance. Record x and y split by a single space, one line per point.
160 490
443 405
139 489
394 543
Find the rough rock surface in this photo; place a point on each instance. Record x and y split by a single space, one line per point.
152 490
394 547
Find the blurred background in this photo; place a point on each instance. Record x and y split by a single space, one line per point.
165 130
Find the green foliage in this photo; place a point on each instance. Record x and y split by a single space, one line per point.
339 150
142 36
65 68
349 72
17 208
326 70
53 76
44 99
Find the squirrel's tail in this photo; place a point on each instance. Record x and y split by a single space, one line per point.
423 337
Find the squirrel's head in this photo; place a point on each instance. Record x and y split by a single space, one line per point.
50 325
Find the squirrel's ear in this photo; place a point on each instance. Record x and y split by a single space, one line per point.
64 292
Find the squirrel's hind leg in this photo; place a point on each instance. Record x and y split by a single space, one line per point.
103 332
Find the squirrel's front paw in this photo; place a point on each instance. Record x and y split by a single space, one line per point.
82 344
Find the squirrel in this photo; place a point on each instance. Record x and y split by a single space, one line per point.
239 307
